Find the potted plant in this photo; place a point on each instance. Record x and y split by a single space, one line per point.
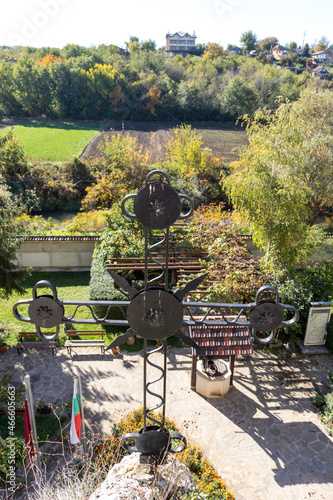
19 408
43 407
131 340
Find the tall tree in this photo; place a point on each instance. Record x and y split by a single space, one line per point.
284 178
306 50
249 40
268 43
323 44
213 51
10 276
148 45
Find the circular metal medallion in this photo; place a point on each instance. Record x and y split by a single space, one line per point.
155 314
266 316
46 312
157 205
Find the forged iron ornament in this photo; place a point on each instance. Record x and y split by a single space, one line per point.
157 205
156 313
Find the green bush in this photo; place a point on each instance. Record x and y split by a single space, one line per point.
305 285
329 338
102 287
13 160
325 404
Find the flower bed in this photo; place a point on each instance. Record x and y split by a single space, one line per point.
208 481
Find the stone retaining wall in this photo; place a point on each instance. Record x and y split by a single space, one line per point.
75 252
61 253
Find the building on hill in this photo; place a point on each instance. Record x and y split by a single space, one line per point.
319 56
236 50
279 51
322 73
179 43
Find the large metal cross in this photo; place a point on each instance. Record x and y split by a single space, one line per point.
154 312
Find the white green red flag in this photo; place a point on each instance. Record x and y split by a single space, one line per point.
76 421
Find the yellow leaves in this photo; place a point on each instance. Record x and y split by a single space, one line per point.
213 51
49 59
93 221
102 69
154 94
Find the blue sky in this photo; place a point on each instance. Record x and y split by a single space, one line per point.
91 22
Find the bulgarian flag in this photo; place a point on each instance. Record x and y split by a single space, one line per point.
76 422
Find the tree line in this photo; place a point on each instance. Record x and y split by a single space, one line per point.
143 85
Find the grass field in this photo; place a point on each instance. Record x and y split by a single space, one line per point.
56 141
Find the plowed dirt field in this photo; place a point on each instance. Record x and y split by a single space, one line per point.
225 141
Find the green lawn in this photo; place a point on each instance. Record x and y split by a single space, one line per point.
57 141
46 426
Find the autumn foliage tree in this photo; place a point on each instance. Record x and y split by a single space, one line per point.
233 273
10 275
49 59
193 168
123 167
154 95
284 178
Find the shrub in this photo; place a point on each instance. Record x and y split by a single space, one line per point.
80 174
232 269
302 286
87 222
13 160
123 237
325 404
192 168
54 189
102 287
123 168
329 338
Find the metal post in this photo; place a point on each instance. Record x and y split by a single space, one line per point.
32 419
165 342
146 259
145 345
82 415
166 270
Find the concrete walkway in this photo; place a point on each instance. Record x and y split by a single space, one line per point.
263 437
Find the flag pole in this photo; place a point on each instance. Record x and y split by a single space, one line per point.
82 414
32 419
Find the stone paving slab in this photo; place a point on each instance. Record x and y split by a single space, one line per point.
263 437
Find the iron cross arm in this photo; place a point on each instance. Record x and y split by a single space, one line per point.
46 311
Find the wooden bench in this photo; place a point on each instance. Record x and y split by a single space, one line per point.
22 344
181 264
72 343
217 342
